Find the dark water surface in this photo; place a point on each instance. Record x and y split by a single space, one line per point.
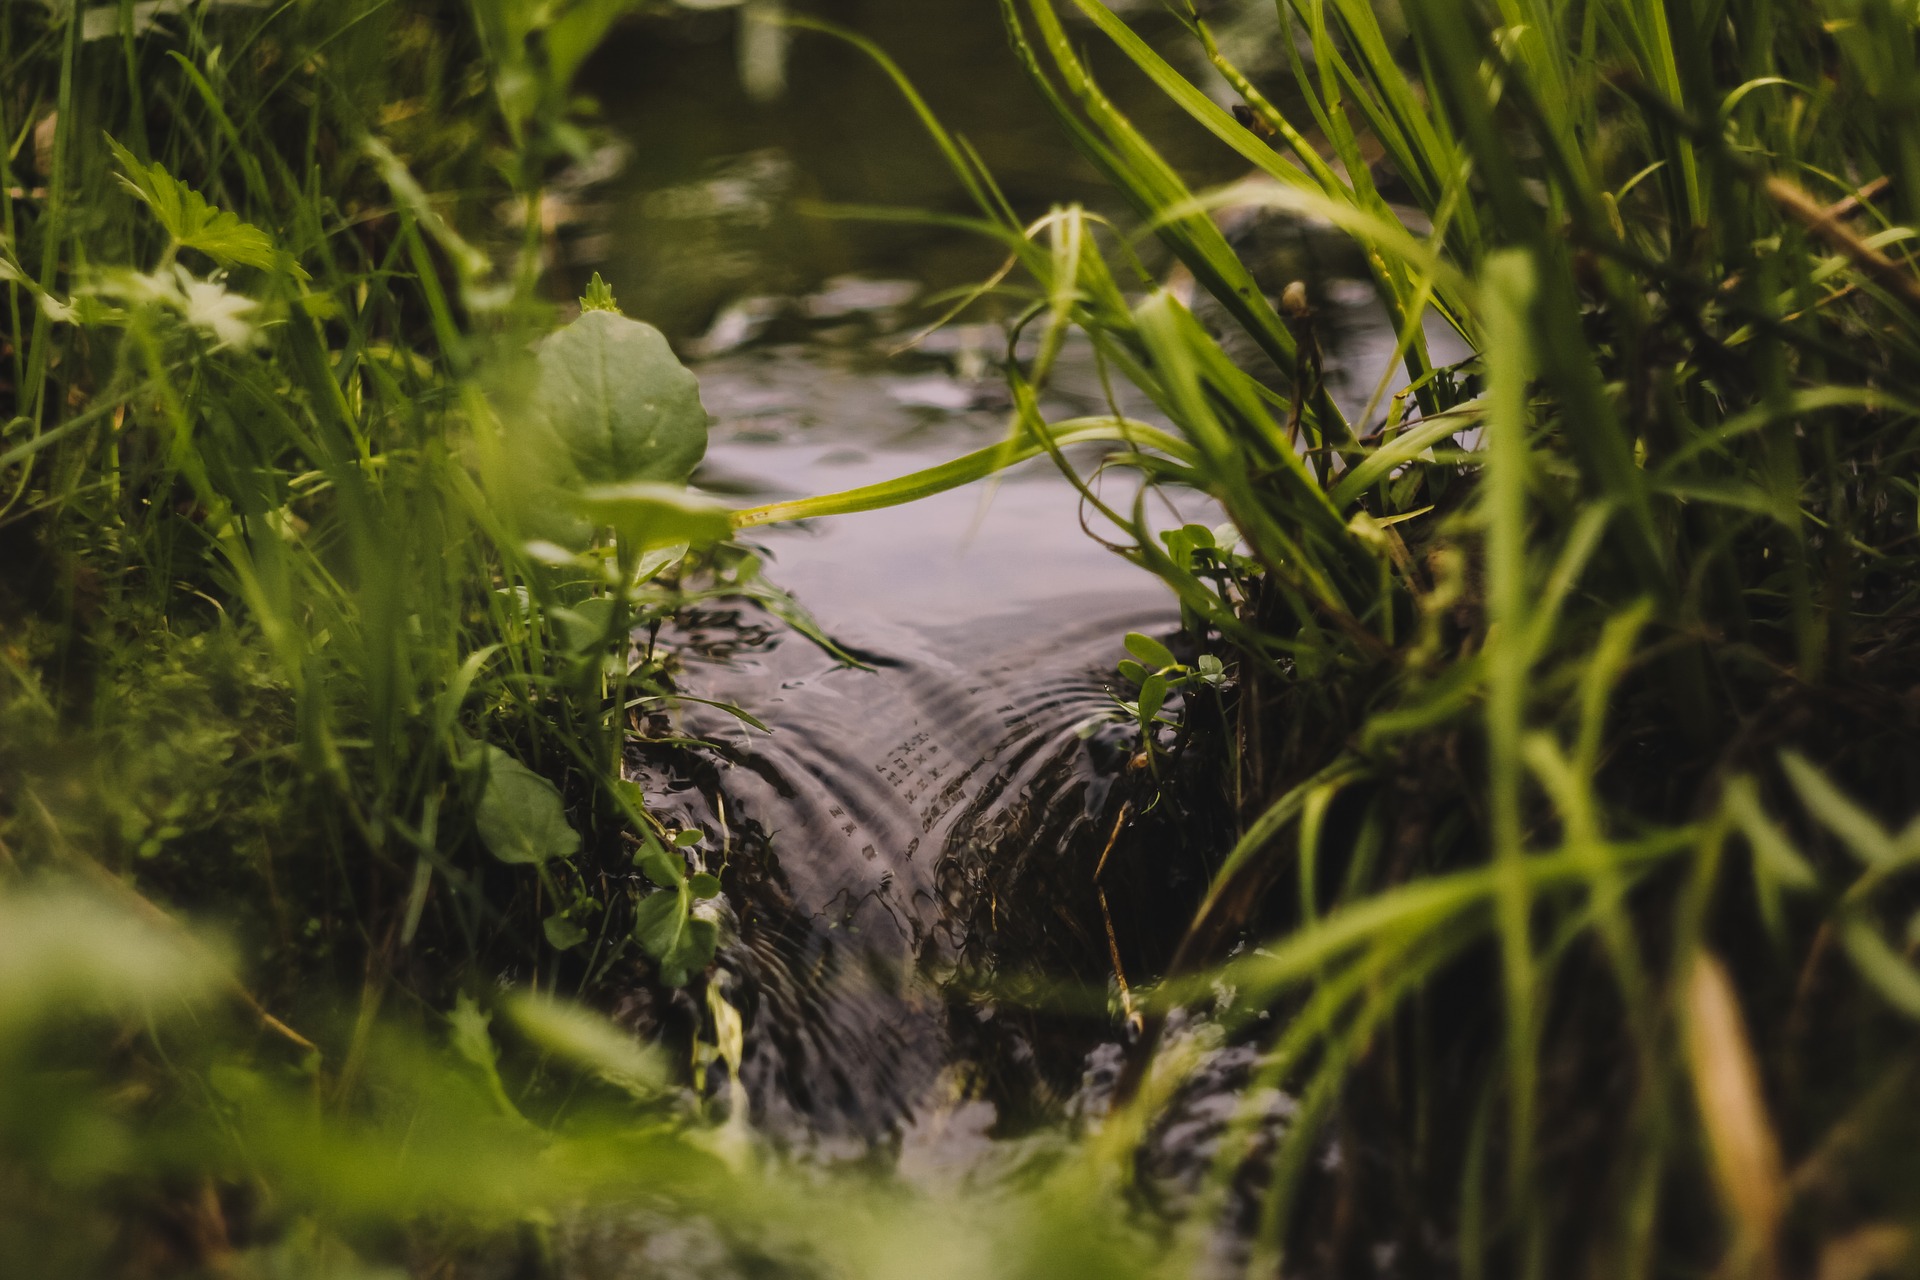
979 747
710 198
982 730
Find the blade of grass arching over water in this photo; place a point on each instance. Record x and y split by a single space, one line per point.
963 470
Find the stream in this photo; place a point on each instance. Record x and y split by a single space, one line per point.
933 813
913 834
981 730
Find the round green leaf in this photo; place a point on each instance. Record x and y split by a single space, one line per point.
660 867
521 818
562 933
623 405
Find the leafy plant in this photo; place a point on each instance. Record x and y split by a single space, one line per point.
681 942
1157 675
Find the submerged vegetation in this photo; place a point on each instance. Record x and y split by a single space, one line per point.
1559 696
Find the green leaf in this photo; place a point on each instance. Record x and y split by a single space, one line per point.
1771 848
688 838
704 886
668 931
1885 969
589 1041
660 867
521 817
660 921
1132 672
586 624
1863 835
599 296
1153 695
471 1040
195 224
623 406
562 933
648 515
703 939
63 951
1150 651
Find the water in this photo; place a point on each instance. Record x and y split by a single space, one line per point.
706 200
918 832
868 829
917 827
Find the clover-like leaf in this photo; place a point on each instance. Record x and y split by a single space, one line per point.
622 404
521 817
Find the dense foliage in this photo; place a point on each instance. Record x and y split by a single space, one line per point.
1569 727
1573 724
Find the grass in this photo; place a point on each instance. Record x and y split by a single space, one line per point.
315 624
1569 717
1569 723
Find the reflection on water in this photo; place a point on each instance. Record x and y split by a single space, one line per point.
709 207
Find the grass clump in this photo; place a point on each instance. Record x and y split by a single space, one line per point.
1571 734
322 553
329 565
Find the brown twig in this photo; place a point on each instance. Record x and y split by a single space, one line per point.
1823 223
1106 917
